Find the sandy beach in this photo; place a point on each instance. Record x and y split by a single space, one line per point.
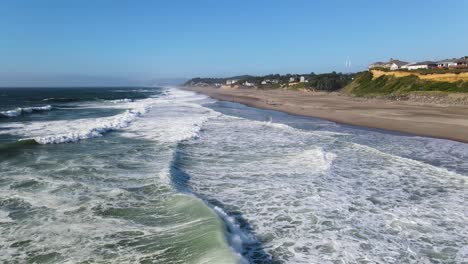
439 121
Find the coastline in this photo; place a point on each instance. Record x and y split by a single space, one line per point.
429 120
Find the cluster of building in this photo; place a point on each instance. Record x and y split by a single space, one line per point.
292 81
268 81
296 79
402 65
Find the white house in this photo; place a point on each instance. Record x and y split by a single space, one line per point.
394 65
391 64
416 66
421 65
450 63
249 84
231 82
302 79
268 81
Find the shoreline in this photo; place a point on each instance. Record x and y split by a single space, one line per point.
428 120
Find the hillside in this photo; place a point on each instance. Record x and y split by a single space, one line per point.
424 74
377 83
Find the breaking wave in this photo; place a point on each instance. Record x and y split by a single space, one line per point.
25 110
85 129
125 100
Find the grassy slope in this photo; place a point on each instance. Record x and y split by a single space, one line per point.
384 85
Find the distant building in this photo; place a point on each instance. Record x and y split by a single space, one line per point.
449 63
394 65
391 64
249 84
270 81
292 79
422 65
378 64
397 64
302 79
231 82
453 63
462 63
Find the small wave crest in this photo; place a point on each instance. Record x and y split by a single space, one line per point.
124 100
25 110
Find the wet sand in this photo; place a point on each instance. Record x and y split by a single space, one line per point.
439 121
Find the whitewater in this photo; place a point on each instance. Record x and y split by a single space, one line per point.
162 175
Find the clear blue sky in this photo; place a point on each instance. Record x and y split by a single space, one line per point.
132 41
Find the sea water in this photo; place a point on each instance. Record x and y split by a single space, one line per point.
161 175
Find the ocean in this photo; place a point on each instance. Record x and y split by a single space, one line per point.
162 175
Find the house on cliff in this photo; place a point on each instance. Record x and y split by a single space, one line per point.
391 64
421 65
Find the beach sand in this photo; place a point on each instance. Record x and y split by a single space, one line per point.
439 121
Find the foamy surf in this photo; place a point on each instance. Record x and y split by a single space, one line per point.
171 125
310 196
186 179
114 201
24 110
55 132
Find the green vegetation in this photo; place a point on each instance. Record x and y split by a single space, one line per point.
329 81
386 85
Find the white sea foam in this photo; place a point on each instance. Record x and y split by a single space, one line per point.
67 131
22 110
313 197
125 100
4 218
176 116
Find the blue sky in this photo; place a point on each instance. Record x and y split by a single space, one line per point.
111 41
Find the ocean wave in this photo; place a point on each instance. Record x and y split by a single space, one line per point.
6 147
61 100
69 131
124 100
238 239
23 110
94 129
179 119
